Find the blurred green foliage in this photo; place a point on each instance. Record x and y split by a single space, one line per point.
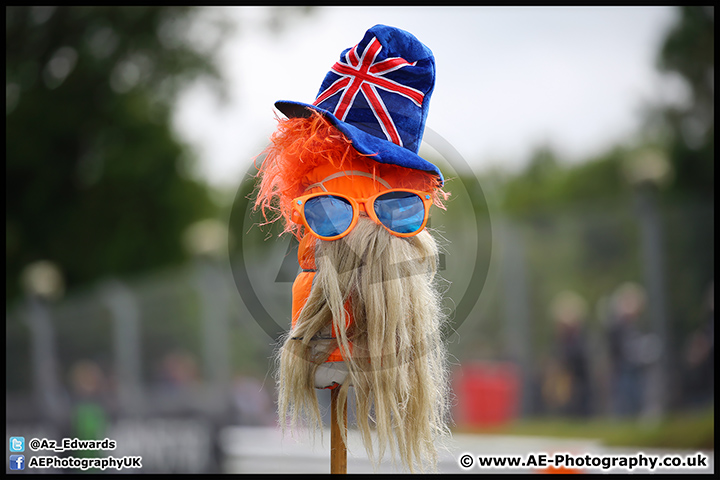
689 51
96 178
546 184
685 132
576 217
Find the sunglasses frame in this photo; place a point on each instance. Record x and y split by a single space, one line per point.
298 214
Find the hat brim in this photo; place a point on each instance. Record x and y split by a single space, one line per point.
382 151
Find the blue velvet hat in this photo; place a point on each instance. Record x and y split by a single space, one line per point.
378 95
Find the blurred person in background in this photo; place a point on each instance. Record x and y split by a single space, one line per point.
179 372
700 358
253 405
90 417
629 350
567 387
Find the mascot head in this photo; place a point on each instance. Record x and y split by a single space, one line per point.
345 177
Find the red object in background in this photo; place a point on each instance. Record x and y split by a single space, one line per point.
558 470
487 394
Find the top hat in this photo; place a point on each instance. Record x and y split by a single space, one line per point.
378 95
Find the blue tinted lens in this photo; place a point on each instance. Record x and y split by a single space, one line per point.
328 215
401 212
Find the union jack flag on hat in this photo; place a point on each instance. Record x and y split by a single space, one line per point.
378 95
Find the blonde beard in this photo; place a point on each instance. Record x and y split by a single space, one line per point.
393 350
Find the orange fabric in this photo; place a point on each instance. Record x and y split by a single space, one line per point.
306 253
303 284
358 186
560 470
300 293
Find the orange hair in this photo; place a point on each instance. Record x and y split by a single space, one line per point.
300 145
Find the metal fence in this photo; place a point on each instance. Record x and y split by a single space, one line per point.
162 363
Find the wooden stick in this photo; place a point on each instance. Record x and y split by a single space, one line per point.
338 449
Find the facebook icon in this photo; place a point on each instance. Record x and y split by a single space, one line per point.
17 462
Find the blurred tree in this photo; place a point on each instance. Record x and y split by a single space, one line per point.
595 197
689 51
546 184
94 171
97 181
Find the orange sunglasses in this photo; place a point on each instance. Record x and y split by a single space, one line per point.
330 216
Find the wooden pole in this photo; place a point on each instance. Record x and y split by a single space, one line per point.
338 449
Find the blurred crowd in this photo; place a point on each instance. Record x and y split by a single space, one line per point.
613 373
